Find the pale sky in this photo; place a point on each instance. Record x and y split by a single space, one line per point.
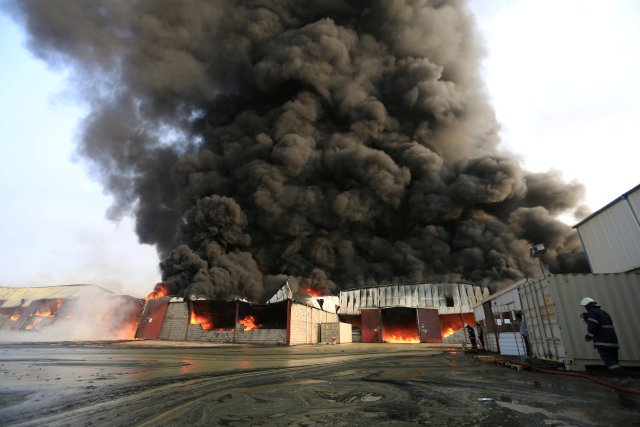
561 75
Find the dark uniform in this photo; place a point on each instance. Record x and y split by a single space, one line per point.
472 336
600 330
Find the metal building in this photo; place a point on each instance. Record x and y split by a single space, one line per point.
67 312
611 236
409 313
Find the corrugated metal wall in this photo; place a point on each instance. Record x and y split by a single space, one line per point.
611 238
511 344
543 327
426 295
618 294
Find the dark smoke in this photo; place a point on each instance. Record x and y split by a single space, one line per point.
342 143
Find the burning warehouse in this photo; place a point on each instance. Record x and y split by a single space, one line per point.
410 313
70 312
396 313
282 320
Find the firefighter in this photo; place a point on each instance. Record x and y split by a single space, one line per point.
600 330
472 336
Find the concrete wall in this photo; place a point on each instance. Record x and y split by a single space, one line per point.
261 336
305 324
176 321
340 331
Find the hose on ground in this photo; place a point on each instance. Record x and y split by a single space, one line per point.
571 374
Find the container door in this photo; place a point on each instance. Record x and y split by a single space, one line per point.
429 325
371 325
152 318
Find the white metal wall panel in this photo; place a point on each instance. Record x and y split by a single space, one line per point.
612 238
511 344
506 302
618 294
634 203
478 313
490 342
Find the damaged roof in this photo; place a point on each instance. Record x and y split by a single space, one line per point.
16 297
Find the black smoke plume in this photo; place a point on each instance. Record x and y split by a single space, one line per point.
342 143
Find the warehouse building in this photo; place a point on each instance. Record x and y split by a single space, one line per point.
426 312
394 313
281 321
68 312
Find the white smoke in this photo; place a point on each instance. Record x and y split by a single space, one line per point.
81 319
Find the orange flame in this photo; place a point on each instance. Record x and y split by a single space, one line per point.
33 324
205 320
313 292
159 290
401 339
249 323
14 317
48 308
450 323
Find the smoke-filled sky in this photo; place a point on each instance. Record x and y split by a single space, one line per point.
353 145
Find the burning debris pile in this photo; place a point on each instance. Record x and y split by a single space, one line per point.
67 313
349 143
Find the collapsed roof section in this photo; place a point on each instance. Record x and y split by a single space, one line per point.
326 302
16 297
67 313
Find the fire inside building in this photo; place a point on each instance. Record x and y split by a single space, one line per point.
423 313
69 312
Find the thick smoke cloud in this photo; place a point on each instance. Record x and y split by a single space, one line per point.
341 143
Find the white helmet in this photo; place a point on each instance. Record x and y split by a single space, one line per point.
586 301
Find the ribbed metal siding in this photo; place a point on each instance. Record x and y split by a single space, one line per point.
612 238
425 295
634 204
618 294
543 327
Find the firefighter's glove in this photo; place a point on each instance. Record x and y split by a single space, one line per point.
588 338
584 316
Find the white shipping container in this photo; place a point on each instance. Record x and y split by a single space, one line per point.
551 307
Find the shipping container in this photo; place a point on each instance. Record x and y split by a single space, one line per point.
551 307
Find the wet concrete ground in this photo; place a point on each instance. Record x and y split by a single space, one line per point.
139 383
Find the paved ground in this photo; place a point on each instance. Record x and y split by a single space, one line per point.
139 383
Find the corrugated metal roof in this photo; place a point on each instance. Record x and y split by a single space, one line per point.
16 297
